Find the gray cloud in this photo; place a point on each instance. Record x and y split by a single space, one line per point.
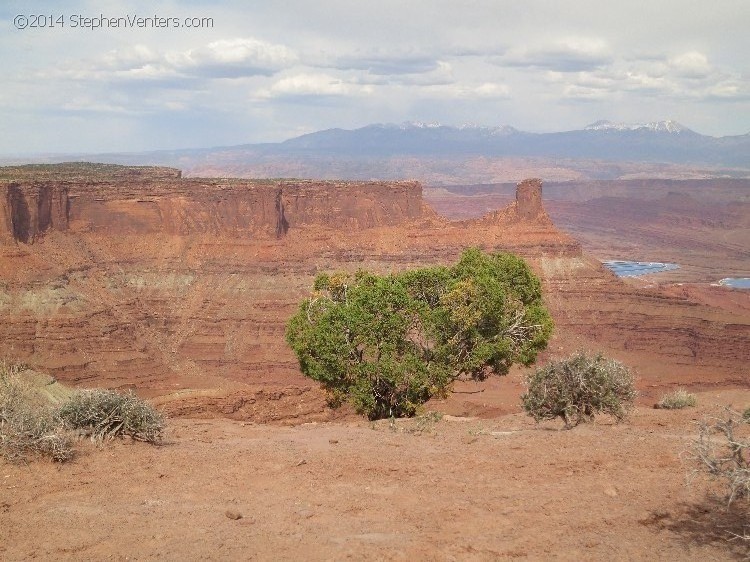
280 69
385 64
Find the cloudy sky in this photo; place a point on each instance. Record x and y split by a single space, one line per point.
267 71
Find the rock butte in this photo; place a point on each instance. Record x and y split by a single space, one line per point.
180 288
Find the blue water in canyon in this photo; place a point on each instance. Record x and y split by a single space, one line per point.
736 282
623 268
635 268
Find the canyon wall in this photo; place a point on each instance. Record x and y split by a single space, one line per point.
181 288
27 211
174 206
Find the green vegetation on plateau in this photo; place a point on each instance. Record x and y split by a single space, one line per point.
388 343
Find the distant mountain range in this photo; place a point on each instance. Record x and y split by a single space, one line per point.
661 141
668 126
443 154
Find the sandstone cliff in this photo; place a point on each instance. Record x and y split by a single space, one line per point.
161 202
27 211
181 288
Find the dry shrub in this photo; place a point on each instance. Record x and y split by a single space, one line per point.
28 427
722 451
579 387
677 400
106 414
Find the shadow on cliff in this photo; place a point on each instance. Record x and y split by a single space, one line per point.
20 215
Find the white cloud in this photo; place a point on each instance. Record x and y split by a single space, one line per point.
86 104
521 63
460 91
691 65
129 58
313 85
638 81
226 58
491 90
583 93
688 76
441 74
568 55
729 89
232 58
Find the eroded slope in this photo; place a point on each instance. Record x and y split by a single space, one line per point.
181 288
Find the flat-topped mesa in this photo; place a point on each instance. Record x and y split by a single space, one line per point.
114 202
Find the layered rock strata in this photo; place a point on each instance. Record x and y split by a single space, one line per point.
181 288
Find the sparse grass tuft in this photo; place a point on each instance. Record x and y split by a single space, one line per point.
422 424
106 414
28 427
677 400
426 422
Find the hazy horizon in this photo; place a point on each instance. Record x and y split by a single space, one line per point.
95 77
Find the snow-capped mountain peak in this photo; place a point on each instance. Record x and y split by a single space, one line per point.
604 125
420 125
668 126
411 125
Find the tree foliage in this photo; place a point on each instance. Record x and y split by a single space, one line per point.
389 343
579 387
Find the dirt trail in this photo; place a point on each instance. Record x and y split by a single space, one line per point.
453 489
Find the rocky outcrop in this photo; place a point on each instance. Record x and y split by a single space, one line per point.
182 288
529 201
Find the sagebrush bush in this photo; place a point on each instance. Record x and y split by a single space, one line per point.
677 400
28 427
106 414
579 387
722 451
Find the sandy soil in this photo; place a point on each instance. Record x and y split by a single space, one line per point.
420 489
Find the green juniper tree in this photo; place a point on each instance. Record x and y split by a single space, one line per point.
389 343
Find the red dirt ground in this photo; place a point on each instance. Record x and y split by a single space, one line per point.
420 489
196 324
